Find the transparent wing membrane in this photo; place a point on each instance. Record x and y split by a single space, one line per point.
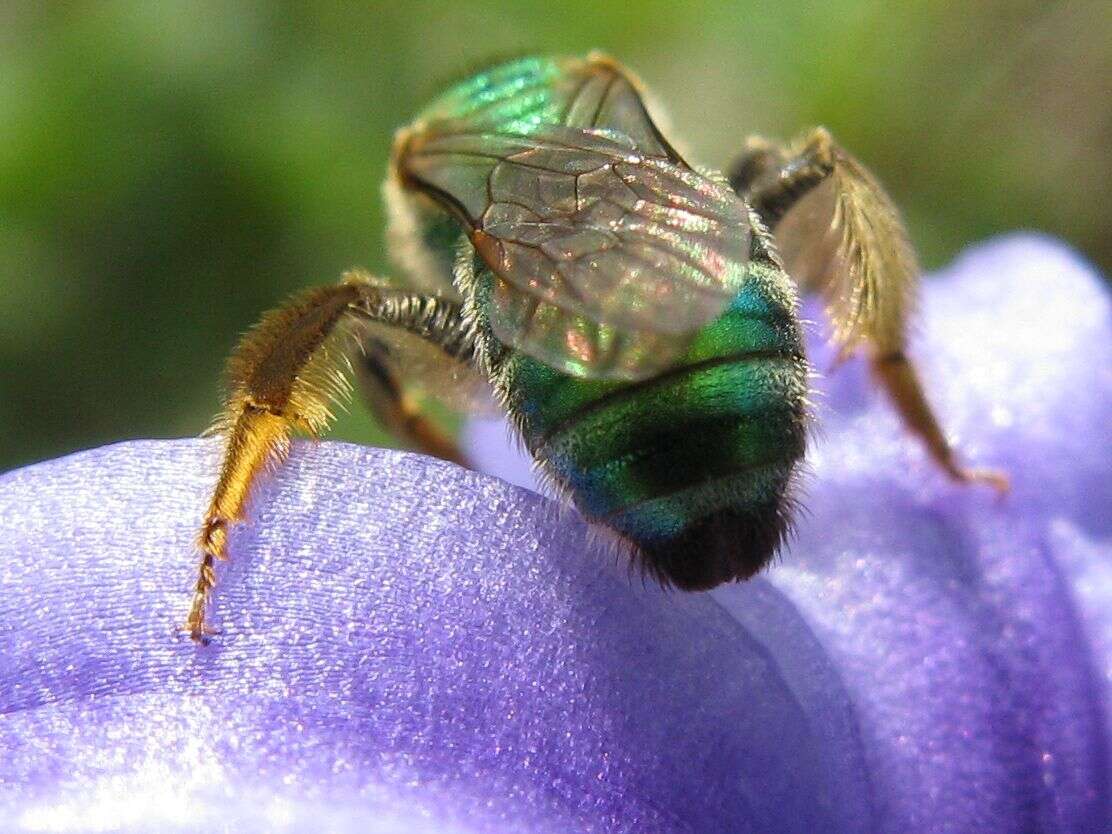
590 226
576 344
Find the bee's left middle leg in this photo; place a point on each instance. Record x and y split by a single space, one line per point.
854 249
399 413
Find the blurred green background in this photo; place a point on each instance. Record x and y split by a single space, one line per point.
168 170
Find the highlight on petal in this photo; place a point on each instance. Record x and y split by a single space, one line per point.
1015 343
959 622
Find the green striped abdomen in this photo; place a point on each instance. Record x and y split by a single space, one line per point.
692 466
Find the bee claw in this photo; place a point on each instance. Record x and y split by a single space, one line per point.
994 478
200 633
199 630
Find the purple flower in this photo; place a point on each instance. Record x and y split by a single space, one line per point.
410 647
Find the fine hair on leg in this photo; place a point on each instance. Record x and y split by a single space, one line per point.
286 375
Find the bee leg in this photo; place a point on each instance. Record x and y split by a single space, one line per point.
283 377
399 413
772 177
855 250
384 361
895 373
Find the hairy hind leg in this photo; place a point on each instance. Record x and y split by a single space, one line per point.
283 377
852 246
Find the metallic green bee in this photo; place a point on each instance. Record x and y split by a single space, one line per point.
629 311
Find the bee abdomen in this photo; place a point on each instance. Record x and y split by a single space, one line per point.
692 467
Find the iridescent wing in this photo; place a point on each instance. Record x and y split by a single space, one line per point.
520 96
609 252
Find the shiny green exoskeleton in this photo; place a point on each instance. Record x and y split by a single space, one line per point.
629 313
694 465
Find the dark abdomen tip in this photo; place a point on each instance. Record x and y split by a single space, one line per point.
725 546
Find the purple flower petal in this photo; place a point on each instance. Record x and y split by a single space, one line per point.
406 644
955 623
412 647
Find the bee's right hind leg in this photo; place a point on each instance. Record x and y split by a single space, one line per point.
855 250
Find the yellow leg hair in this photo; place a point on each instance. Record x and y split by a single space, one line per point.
283 377
840 234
